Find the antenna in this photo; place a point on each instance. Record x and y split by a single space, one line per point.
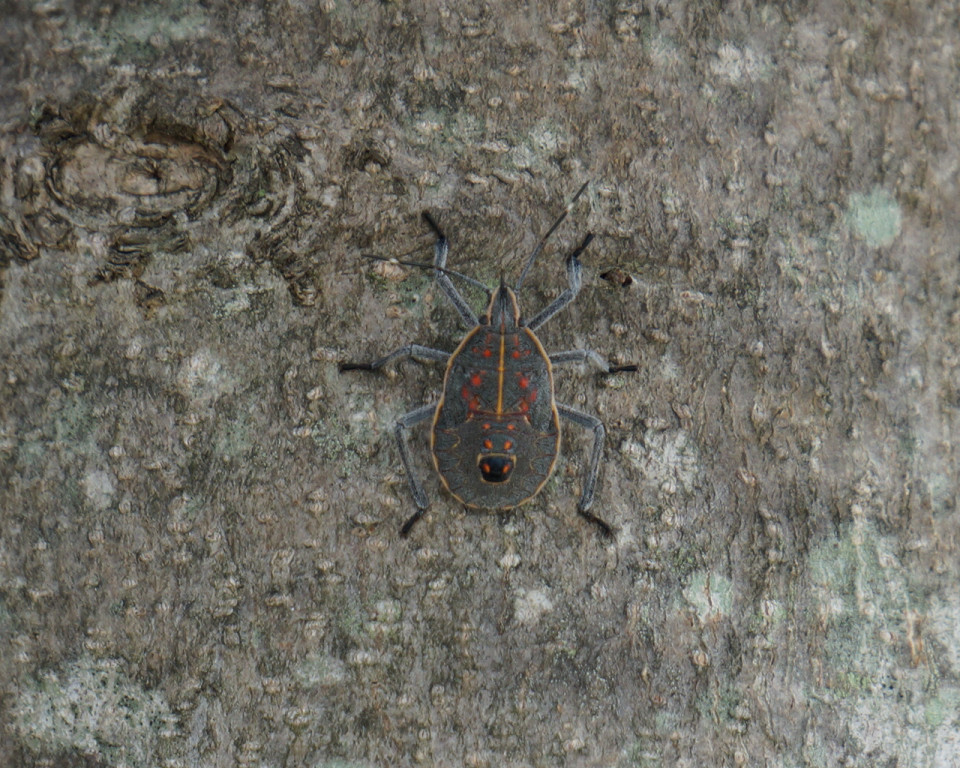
434 267
543 240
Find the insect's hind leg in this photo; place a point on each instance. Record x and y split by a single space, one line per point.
593 468
440 250
400 430
403 353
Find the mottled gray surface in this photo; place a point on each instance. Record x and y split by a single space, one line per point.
199 560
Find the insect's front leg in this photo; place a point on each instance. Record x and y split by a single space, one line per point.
574 273
440 250
401 429
405 352
588 356
593 468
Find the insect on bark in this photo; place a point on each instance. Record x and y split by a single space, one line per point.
495 433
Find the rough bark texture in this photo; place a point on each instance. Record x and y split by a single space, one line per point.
199 559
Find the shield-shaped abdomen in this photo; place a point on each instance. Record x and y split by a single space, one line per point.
496 432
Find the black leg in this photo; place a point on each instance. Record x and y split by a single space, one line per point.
440 250
588 356
419 496
574 270
405 352
593 468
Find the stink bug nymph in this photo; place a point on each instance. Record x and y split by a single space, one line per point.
496 428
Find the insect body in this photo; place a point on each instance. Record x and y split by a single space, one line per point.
496 428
